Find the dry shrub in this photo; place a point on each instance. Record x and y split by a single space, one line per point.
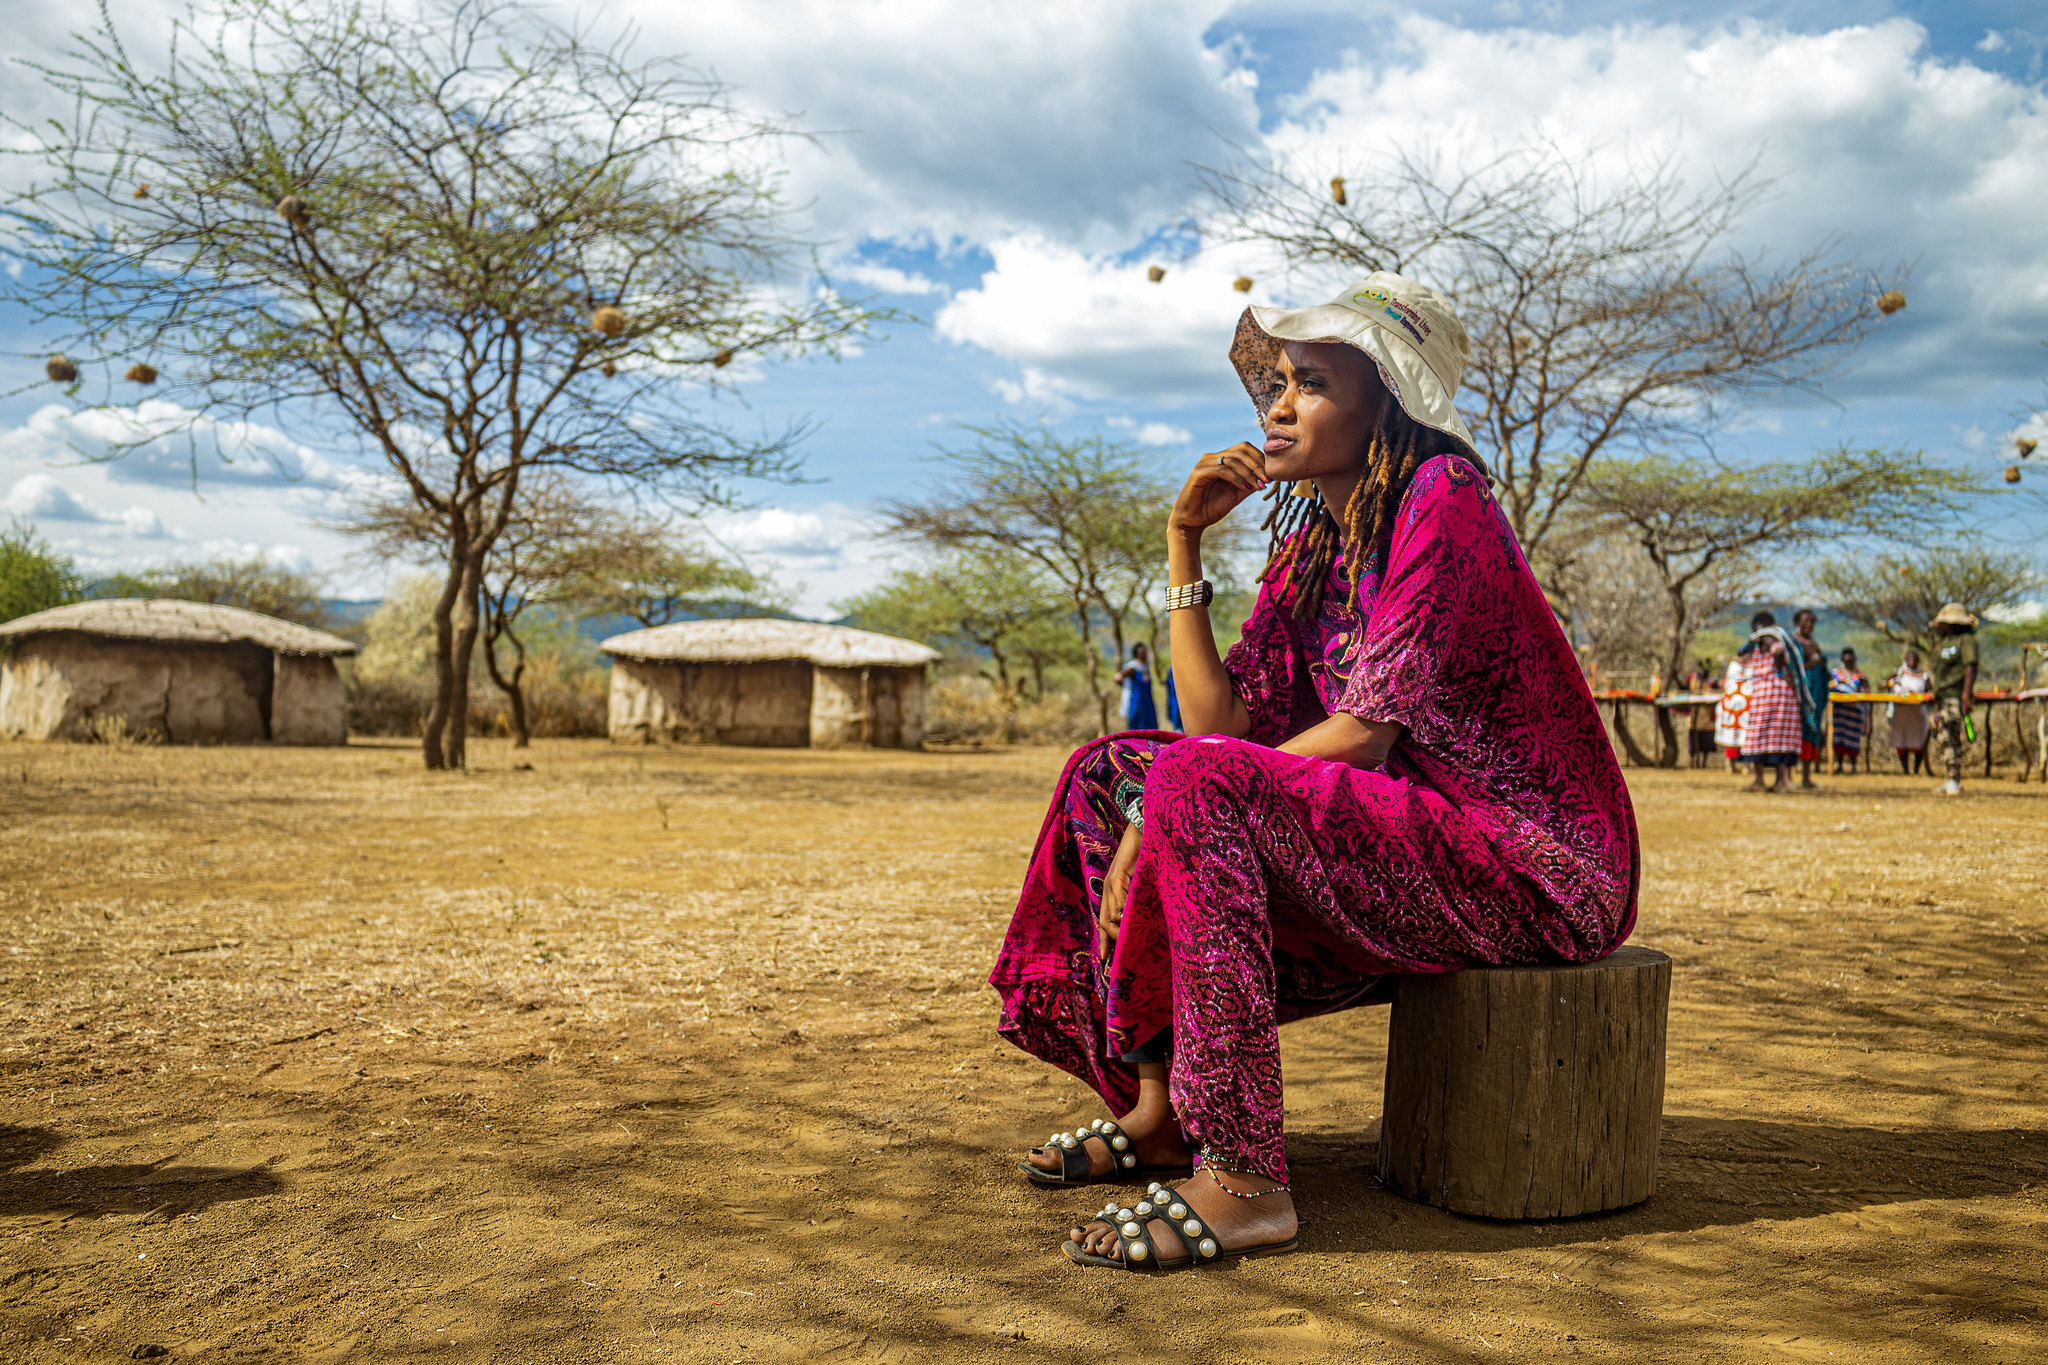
970 709
967 708
114 732
1061 719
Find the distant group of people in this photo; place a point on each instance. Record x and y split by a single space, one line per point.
1774 707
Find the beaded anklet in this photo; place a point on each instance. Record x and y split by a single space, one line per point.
1214 1162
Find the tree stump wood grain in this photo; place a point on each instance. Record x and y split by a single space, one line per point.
1528 1092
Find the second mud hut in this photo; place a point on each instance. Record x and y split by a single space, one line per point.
786 684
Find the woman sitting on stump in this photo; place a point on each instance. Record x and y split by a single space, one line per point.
1398 769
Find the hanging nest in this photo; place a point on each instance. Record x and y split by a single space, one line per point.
142 191
722 359
1890 302
141 373
1242 284
608 320
294 209
2025 445
1337 190
2012 473
60 370
1156 273
608 369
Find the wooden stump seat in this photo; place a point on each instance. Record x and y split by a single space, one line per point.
1528 1092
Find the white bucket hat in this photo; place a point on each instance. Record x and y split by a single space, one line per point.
1407 328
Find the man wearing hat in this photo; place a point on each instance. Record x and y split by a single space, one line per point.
1955 686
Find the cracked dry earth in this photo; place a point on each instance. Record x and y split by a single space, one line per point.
685 1055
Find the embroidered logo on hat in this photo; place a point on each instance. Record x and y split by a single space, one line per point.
1373 298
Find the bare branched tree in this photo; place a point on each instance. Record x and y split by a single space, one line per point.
1898 593
562 549
1089 512
990 599
1603 316
1702 528
460 236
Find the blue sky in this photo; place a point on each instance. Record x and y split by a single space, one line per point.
1005 173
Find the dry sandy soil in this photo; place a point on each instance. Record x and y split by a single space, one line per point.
686 1055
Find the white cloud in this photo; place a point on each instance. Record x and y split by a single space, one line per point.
283 556
1083 327
823 554
42 498
1992 41
39 495
886 279
1908 158
169 446
1074 119
1152 433
772 530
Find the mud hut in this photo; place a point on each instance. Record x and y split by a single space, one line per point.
777 683
186 672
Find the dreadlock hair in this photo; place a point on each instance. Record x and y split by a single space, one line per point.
1306 538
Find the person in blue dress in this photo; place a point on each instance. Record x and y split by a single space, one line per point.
1141 712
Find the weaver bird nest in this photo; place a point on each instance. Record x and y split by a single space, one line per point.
2025 445
608 320
722 359
1890 302
2012 473
1242 284
141 373
1156 273
1337 190
60 370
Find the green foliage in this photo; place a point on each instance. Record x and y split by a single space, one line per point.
1086 513
1897 594
252 584
1704 527
979 601
653 574
33 577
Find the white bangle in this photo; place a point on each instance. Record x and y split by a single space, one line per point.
1197 594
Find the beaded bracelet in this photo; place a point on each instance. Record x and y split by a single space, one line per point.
1197 594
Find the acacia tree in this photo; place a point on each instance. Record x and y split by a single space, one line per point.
1602 317
1897 593
253 584
646 568
1701 527
460 236
1089 512
561 549
989 598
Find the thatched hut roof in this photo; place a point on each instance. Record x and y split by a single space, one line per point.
747 642
135 618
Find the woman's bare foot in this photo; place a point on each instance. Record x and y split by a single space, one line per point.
1238 1223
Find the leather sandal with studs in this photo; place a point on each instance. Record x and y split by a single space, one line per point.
1133 1224
1075 1162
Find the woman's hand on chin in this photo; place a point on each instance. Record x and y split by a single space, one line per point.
1217 484
1116 884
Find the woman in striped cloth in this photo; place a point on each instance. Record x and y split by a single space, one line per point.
1851 718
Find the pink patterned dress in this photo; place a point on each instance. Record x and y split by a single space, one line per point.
1270 887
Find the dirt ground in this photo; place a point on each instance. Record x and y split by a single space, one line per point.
686 1055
